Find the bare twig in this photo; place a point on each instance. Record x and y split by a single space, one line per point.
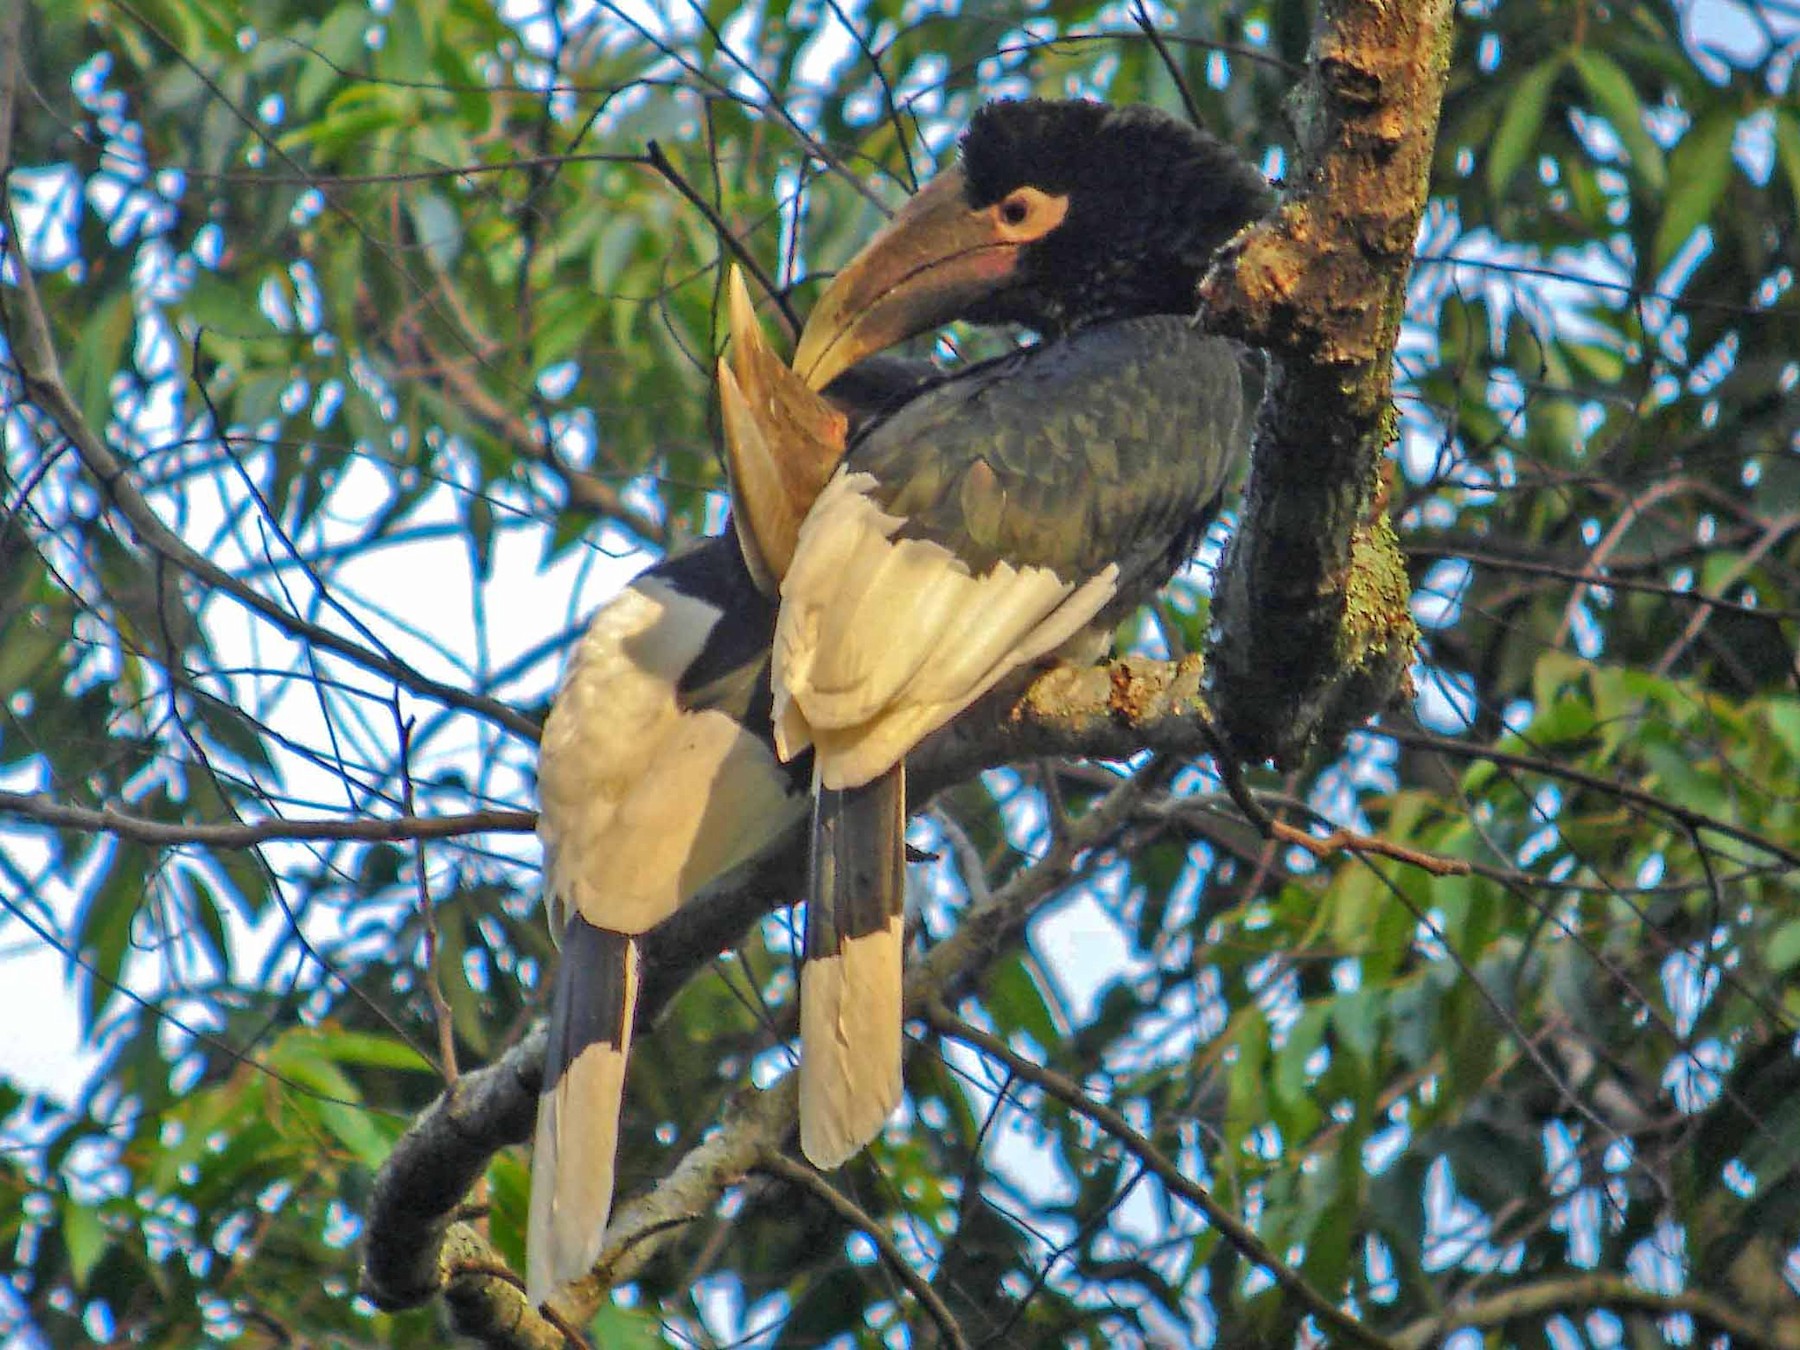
1340 840
172 834
1140 15
1584 1292
1345 1328
727 237
1773 533
808 1180
40 371
434 988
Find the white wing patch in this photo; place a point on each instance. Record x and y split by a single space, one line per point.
641 805
882 641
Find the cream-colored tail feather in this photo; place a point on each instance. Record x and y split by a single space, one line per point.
578 1111
852 981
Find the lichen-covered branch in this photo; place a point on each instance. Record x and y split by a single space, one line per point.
1313 630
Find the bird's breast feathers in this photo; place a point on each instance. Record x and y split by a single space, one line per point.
643 802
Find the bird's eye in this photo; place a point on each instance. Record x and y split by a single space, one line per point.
1028 213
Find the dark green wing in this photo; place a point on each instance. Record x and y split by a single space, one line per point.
1110 446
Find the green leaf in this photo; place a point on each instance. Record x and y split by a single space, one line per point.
337 46
1787 148
1517 134
1782 951
102 350
627 1328
1699 169
85 1239
304 1056
103 928
1565 721
1601 361
1784 721
1357 1017
372 1051
1017 1003
1615 96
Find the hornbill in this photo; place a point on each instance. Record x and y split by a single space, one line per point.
657 775
1007 515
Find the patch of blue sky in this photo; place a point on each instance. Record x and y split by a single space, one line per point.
1195 577
1552 292
1715 365
1164 1035
1737 1178
1428 936
1456 1229
1601 141
1445 702
1081 947
1689 979
727 1318
1586 631
1724 36
769 1066
1016 1148
1695 1078
47 204
1369 764
1274 985
1770 290
1146 1222
1562 1158
1380 1273
1659 1262
1196 1326
1437 600
415 606
1199 1010
1578 1214
1024 817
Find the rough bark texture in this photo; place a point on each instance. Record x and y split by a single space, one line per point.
1313 631
426 1179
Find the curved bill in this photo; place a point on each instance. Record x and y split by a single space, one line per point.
934 259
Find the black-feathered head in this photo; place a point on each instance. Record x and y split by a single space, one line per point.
1059 215
1150 200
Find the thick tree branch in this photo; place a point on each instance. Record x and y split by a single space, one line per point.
1313 628
420 1189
